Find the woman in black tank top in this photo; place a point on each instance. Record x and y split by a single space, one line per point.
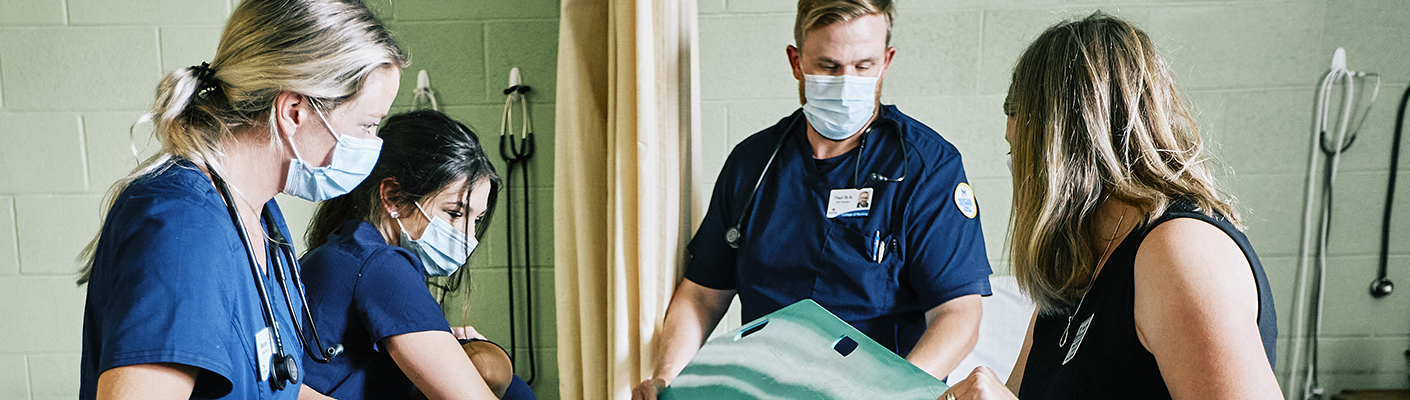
1146 288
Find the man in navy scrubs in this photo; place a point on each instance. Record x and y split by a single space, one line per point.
906 266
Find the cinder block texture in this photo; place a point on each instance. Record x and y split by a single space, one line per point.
744 57
53 376
532 46
452 53
939 55
147 12
436 10
14 377
1373 33
43 153
1242 45
31 13
98 68
9 248
185 46
110 138
52 231
44 315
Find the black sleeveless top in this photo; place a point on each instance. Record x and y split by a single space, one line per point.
1109 361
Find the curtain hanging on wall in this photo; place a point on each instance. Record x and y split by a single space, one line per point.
622 184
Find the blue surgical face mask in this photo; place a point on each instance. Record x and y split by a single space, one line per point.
839 106
441 248
353 159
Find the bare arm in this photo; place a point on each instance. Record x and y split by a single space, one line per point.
148 381
952 329
693 313
438 366
1196 308
1016 376
983 384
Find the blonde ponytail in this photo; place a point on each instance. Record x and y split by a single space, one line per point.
322 49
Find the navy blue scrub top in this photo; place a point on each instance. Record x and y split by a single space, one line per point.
360 290
171 283
789 250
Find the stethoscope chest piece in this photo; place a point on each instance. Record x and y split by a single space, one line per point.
1381 287
732 237
286 371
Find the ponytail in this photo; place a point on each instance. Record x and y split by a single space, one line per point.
322 49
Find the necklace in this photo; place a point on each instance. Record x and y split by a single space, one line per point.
251 205
1063 341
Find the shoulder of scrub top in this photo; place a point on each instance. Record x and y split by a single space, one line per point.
927 147
179 184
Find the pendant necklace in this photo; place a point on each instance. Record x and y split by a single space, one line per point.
1063 341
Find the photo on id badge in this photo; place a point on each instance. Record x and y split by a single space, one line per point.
849 202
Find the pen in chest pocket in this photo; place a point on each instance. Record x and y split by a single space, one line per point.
878 248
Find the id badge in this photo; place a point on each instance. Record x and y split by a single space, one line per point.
1077 341
849 202
264 348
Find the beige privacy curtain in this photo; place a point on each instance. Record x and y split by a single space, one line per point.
622 184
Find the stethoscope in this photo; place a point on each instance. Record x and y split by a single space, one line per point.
516 152
1346 133
736 232
286 370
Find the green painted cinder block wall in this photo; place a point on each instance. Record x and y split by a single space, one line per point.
75 74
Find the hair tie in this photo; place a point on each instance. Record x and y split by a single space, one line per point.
205 77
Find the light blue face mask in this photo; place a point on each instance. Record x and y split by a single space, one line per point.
353 159
442 249
839 106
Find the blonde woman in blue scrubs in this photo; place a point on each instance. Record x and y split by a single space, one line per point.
290 104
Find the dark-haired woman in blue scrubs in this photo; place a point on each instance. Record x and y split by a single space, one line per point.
418 215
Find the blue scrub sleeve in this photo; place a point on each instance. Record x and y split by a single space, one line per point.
391 298
165 304
945 247
712 260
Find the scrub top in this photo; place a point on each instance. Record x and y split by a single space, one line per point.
923 216
360 290
171 283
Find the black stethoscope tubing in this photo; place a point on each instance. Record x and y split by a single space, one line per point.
1382 286
735 233
287 255
516 152
286 369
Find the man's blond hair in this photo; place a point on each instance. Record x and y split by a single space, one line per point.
814 14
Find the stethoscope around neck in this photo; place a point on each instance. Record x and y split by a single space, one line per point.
735 233
286 370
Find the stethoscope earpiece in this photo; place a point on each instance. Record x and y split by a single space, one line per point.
333 351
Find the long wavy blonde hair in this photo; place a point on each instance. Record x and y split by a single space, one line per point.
322 49
1098 115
